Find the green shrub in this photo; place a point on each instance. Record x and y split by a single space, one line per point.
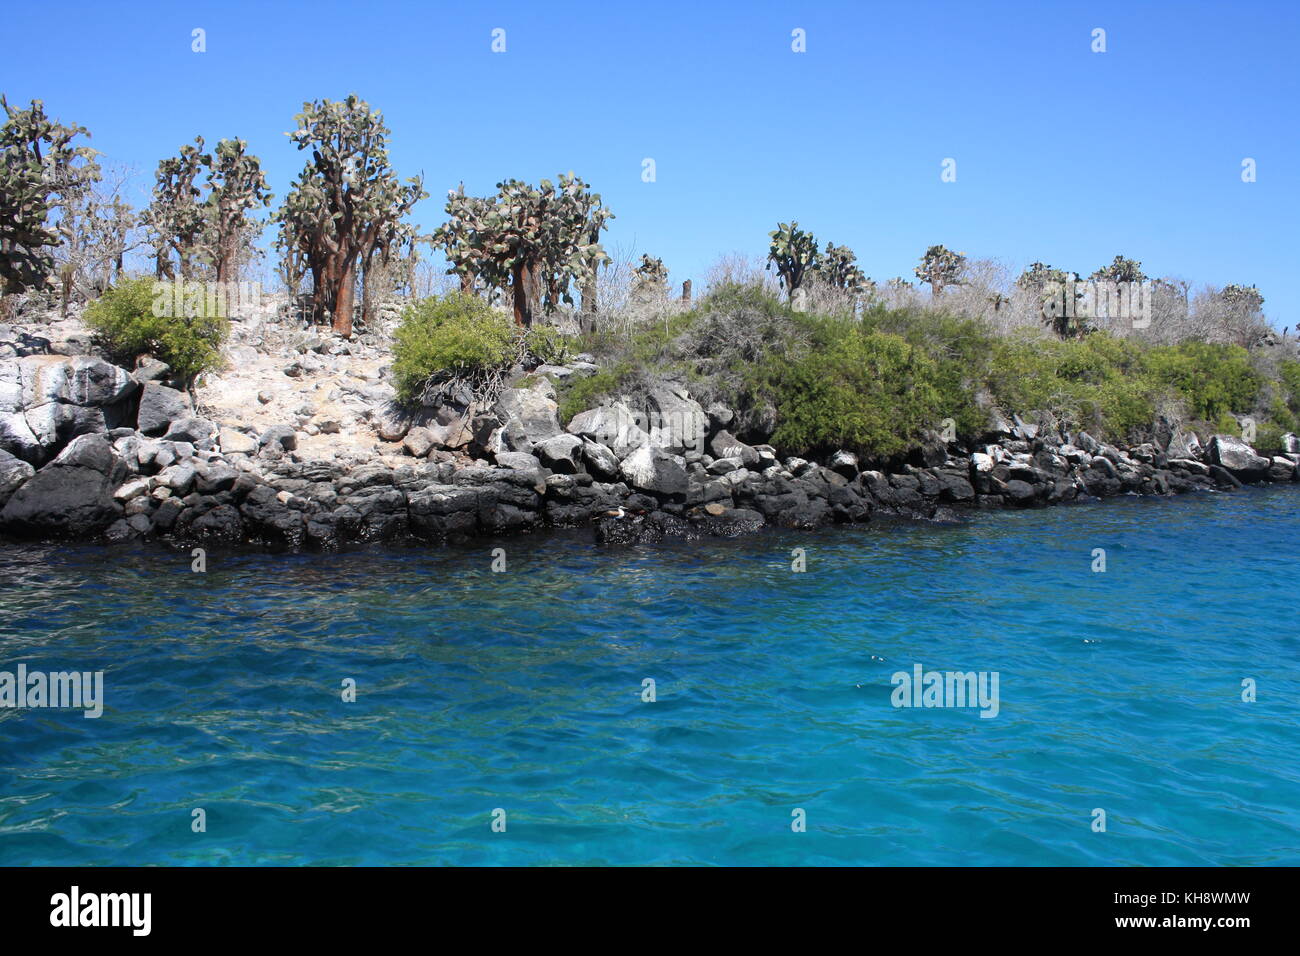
577 394
961 350
1212 379
853 388
453 336
124 321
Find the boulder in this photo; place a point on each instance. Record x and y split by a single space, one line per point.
283 437
391 424
237 443
82 380
726 445
516 461
159 407
614 425
653 470
1183 445
1086 442
13 472
720 416
72 495
1282 469
457 434
1238 457
562 454
47 401
199 432
528 414
844 463
601 461
418 441
676 421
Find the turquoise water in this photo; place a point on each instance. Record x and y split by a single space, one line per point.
522 691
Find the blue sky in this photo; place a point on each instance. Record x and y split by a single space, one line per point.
1063 155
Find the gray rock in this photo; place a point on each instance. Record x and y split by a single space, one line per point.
199 432
150 369
601 461
1237 457
720 416
418 441
516 461
529 414
654 470
562 454
279 436
13 472
614 425
159 407
844 463
1184 445
676 421
726 445
237 443
82 380
72 495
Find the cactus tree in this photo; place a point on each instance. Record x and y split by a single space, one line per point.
650 278
533 240
794 254
344 200
41 171
940 267
237 186
1121 270
838 268
175 217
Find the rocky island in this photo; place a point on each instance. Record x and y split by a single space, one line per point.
298 442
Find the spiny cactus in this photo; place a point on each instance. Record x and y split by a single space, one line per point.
41 173
236 186
650 278
344 199
940 267
1121 270
175 218
1246 298
1045 285
794 254
533 240
838 268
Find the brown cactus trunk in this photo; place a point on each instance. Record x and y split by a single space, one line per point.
523 285
343 300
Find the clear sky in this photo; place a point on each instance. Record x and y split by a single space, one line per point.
1062 154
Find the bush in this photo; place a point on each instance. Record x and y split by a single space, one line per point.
854 388
124 321
452 337
961 349
1214 379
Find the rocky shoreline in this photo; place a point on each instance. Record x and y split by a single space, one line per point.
90 451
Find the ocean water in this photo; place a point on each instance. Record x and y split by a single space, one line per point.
522 691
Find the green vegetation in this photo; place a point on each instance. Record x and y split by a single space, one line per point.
453 336
875 384
853 388
125 323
